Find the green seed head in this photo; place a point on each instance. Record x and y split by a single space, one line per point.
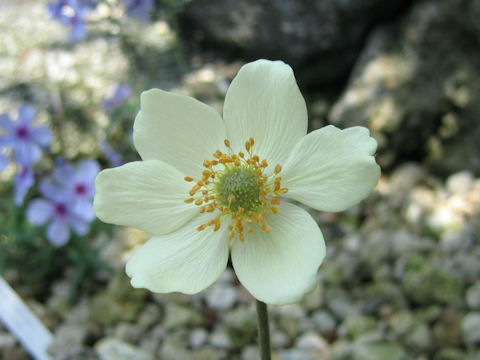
242 183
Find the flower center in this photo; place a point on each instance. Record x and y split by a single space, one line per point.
241 185
80 189
22 132
237 186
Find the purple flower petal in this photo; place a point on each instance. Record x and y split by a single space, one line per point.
87 170
58 232
26 114
27 153
7 141
22 183
39 211
42 135
3 162
114 158
54 193
79 226
7 124
63 174
83 208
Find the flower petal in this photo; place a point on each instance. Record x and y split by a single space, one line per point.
79 225
264 102
186 260
178 130
39 211
26 114
281 266
42 135
7 124
148 195
27 153
58 232
87 170
332 169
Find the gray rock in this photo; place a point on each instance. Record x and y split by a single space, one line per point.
473 296
339 304
221 296
447 330
460 183
250 352
127 332
324 322
425 282
241 325
450 354
6 341
314 344
198 337
278 339
114 349
378 350
329 31
471 328
178 316
354 326
220 339
420 338
172 350
395 89
295 354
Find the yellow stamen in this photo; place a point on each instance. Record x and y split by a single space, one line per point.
245 197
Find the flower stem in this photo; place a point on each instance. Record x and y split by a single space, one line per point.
263 331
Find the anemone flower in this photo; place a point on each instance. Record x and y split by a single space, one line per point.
209 188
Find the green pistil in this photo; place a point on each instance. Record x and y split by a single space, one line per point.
242 183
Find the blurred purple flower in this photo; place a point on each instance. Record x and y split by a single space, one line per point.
3 162
22 182
139 9
120 94
114 158
72 13
22 137
57 208
79 184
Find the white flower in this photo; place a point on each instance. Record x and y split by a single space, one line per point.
208 188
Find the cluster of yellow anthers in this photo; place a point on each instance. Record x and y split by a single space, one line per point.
237 186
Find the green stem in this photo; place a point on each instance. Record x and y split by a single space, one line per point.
263 331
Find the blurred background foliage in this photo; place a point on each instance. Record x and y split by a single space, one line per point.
401 279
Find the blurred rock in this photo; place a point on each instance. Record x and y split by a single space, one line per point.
241 325
424 282
447 330
221 296
323 37
198 337
473 296
114 349
471 328
179 316
414 86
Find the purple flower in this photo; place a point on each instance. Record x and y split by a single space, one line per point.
114 158
79 184
22 137
3 162
72 13
22 182
57 208
139 9
120 94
